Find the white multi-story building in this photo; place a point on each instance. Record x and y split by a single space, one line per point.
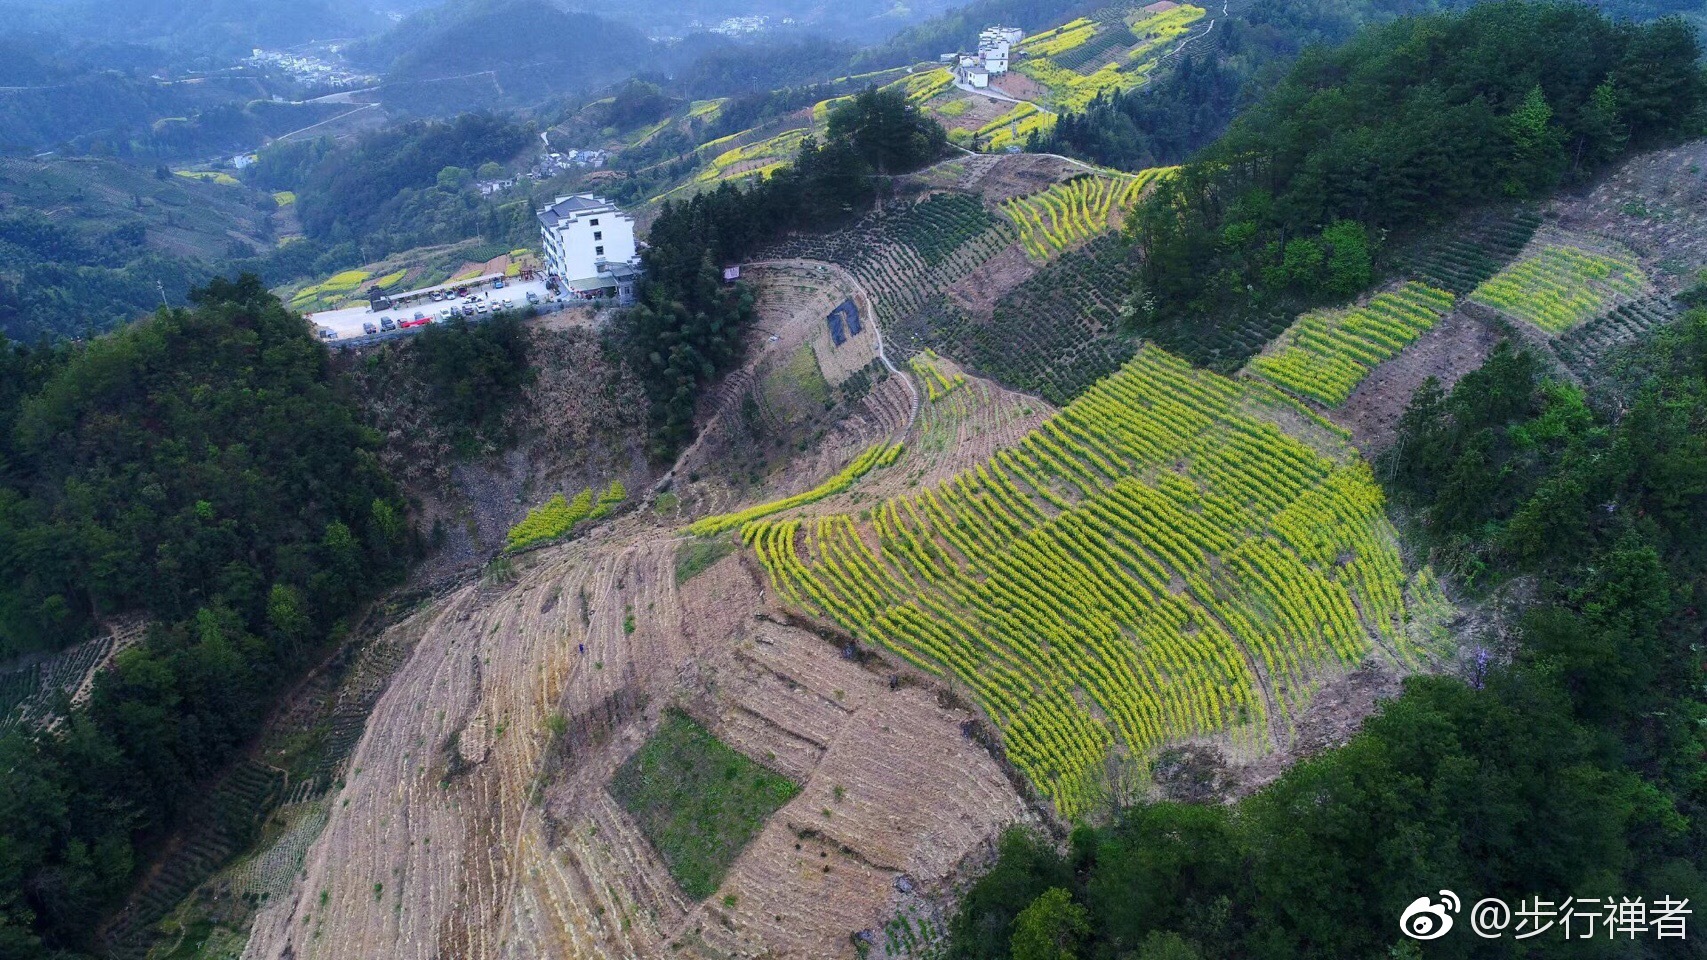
994 47
589 245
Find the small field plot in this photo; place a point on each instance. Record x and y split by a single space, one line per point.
1069 213
698 801
1014 127
1560 286
1459 257
1583 347
1327 353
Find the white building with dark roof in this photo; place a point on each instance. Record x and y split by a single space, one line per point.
995 45
589 244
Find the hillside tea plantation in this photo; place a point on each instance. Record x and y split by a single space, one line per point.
1157 561
1327 353
1054 335
939 225
1457 260
1561 287
1113 37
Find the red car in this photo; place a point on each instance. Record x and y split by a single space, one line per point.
417 322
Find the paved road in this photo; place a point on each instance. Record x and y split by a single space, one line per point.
994 94
347 322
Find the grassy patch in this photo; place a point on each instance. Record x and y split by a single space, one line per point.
695 556
211 176
697 800
802 374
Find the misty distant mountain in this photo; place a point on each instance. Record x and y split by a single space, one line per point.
189 28
487 52
863 20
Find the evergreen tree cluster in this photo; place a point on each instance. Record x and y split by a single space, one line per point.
689 326
200 467
1403 126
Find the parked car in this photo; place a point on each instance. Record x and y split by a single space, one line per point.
498 284
369 329
462 291
480 307
386 323
533 297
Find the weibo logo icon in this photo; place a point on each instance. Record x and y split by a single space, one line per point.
1426 919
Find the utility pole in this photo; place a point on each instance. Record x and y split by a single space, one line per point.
162 288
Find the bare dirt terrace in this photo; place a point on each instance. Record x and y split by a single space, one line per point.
475 818
1454 347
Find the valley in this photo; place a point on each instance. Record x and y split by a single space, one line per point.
869 644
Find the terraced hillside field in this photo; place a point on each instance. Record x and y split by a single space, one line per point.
1326 354
1460 257
1108 52
1158 562
1070 213
1561 284
901 256
1010 267
1054 333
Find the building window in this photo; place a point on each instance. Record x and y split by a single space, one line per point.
594 221
599 251
598 235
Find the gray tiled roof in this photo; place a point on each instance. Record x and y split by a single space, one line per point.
571 205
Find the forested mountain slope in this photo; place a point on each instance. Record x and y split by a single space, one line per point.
1004 493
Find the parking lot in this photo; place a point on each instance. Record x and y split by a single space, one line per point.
352 322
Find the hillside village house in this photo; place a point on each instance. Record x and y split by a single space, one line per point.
589 246
991 60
